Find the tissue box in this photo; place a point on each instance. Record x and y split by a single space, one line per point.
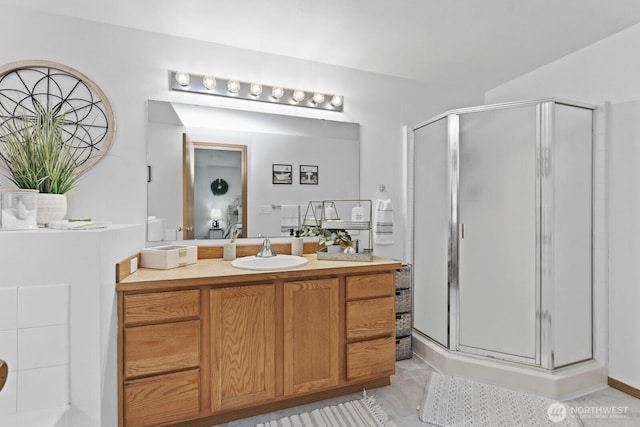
166 257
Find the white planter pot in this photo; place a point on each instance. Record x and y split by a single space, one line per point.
51 207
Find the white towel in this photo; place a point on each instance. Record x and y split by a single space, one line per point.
383 222
78 225
289 217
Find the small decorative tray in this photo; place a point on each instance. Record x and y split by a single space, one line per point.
324 254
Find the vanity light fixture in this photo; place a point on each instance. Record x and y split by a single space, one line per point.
233 86
298 96
209 82
317 98
183 78
277 92
254 91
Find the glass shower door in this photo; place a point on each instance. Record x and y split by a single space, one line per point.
431 223
496 233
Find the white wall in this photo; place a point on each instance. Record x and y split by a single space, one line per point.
606 71
132 67
64 284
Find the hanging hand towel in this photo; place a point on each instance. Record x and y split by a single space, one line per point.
383 222
289 217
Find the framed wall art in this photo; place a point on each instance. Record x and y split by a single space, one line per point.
282 174
309 174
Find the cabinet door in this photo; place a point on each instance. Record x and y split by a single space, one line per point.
311 331
242 346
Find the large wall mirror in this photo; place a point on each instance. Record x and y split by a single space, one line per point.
288 162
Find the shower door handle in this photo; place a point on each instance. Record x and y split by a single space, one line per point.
461 231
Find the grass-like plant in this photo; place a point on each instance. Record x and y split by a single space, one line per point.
35 155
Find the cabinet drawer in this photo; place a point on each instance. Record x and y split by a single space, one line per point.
161 348
163 399
161 306
370 286
372 317
371 359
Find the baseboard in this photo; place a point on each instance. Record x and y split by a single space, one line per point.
625 388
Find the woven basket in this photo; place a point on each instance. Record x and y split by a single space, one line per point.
403 324
403 277
403 300
403 348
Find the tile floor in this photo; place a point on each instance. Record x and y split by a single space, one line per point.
401 399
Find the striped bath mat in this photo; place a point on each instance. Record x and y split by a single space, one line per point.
358 413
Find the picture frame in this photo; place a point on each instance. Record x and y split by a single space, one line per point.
282 174
309 174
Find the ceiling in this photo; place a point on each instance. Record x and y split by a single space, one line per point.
479 44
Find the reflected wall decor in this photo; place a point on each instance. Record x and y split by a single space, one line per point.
282 174
308 174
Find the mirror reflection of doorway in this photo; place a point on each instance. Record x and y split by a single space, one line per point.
214 189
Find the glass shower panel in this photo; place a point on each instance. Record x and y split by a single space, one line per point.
431 231
569 193
497 232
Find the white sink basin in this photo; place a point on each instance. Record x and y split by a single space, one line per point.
278 262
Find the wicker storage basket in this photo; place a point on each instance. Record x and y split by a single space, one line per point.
403 324
403 277
403 348
403 300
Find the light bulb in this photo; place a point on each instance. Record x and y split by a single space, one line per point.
255 89
298 95
183 78
209 82
318 98
336 101
277 92
233 86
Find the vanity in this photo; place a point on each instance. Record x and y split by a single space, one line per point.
208 343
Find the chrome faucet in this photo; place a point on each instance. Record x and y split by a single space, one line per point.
265 251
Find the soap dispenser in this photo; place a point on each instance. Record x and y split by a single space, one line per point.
297 244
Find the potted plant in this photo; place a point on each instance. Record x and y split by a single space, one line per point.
35 157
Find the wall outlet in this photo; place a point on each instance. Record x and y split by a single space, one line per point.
133 265
265 209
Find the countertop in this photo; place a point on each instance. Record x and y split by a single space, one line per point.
220 272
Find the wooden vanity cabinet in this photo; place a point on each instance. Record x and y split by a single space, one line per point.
161 357
242 346
203 353
370 326
311 335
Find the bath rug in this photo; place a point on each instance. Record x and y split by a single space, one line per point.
358 413
451 402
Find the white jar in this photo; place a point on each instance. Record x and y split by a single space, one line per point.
19 210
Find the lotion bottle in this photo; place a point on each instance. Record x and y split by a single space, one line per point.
297 245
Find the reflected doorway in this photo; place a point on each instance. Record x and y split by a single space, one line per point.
214 189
